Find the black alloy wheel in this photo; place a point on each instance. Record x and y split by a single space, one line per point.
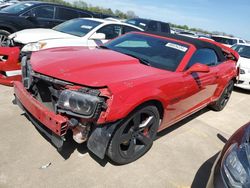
224 98
135 136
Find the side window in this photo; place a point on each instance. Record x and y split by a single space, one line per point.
111 31
66 14
165 28
84 15
127 29
241 41
203 56
152 26
43 12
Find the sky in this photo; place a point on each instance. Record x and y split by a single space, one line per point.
229 16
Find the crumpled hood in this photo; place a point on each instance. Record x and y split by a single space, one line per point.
244 62
90 67
34 35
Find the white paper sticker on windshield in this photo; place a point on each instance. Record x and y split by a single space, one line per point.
176 46
143 24
28 4
86 27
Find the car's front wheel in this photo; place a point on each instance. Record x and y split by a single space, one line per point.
224 98
135 135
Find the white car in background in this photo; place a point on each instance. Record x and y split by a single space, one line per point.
244 65
89 32
188 34
227 40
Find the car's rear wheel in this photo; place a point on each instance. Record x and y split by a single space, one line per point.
4 37
135 135
224 98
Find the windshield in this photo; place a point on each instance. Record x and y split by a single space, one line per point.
138 22
78 27
153 51
244 51
17 8
224 40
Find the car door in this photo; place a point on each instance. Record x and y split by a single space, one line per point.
198 88
63 14
42 16
111 31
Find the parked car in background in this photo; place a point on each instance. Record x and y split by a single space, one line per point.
76 32
232 167
188 34
118 96
243 65
35 14
4 4
89 32
228 41
150 25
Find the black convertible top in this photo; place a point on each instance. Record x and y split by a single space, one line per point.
196 42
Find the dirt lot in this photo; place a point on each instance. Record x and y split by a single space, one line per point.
180 157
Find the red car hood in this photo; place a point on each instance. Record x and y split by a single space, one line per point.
90 67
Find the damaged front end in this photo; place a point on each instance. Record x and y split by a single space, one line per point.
9 65
61 106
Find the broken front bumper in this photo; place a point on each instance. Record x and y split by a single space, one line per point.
55 126
42 117
9 65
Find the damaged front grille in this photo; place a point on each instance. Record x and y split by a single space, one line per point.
48 90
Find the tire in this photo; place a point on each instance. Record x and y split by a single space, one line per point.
224 98
135 135
3 37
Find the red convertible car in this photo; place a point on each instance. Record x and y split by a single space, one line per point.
118 96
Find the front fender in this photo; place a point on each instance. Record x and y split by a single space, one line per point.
125 102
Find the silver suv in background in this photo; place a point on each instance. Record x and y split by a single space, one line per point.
227 40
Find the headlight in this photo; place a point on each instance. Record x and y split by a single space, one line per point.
236 166
31 47
242 71
26 72
78 102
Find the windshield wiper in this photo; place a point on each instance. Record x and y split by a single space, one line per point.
142 60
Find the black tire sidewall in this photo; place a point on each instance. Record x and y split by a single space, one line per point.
217 106
113 150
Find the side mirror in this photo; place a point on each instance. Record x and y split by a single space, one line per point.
98 36
30 17
198 67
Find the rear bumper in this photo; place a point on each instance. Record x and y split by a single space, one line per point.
9 65
54 122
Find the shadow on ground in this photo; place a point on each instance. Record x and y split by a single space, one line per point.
70 145
239 90
202 175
